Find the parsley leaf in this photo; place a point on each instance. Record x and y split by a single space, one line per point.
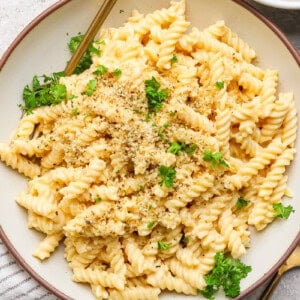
178 147
175 148
282 211
58 92
100 70
227 273
154 95
190 149
91 86
160 133
174 59
151 224
49 93
214 158
72 96
86 60
163 246
98 199
241 202
75 111
117 72
219 84
167 175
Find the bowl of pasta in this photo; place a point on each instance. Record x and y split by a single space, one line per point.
165 166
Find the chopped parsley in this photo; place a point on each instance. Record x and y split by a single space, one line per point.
241 202
174 59
49 93
88 115
117 72
219 84
72 96
167 175
121 11
163 246
282 211
227 273
151 224
155 96
86 60
98 199
215 159
91 86
179 147
160 133
100 42
100 70
75 112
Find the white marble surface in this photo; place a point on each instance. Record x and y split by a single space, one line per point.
14 16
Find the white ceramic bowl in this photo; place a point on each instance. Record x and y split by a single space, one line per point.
286 4
41 48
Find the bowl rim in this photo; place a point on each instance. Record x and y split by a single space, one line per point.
51 9
295 4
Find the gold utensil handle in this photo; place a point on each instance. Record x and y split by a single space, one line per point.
271 287
102 14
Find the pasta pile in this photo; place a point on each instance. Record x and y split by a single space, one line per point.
95 161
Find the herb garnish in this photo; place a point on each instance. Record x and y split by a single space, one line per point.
72 96
174 59
160 133
98 199
86 60
167 175
155 95
91 86
214 158
241 202
179 147
227 273
100 70
163 246
219 84
282 211
75 111
49 93
151 224
117 72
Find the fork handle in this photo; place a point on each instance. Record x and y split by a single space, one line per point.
271 287
94 27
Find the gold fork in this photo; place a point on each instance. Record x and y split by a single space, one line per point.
292 262
102 14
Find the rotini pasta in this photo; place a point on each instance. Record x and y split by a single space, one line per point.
142 176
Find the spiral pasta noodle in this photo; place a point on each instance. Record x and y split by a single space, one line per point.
141 177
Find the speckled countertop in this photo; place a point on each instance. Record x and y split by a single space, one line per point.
14 16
